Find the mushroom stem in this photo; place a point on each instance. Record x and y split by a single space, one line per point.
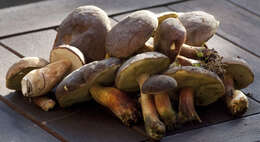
164 108
155 129
187 110
44 102
236 101
192 52
117 101
40 81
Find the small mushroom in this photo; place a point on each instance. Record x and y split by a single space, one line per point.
238 76
192 51
195 86
44 102
200 26
19 69
85 28
64 59
131 76
170 37
159 86
91 77
130 34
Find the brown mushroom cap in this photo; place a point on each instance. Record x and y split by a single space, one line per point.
200 26
19 69
207 86
70 53
85 28
130 34
158 84
240 70
170 37
74 88
148 62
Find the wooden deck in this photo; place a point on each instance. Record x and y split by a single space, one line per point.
29 30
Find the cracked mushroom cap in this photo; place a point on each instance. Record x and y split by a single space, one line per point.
19 69
240 70
200 26
85 28
170 37
148 62
130 34
73 54
207 86
158 84
74 88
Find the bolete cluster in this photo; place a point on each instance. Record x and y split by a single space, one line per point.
160 62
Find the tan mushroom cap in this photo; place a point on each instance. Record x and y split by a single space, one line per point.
148 62
85 28
19 69
207 86
240 70
74 88
70 53
130 34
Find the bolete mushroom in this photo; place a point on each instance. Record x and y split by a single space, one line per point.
130 34
64 59
85 28
195 86
91 77
200 26
19 69
238 75
192 52
159 86
170 37
131 76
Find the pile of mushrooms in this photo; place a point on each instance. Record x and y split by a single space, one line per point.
153 61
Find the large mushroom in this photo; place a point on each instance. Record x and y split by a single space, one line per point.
85 28
130 34
131 76
91 77
170 37
238 75
200 26
18 70
195 86
64 59
159 86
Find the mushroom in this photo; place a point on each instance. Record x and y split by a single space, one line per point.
238 75
130 34
91 78
85 28
131 76
64 59
195 86
159 86
192 51
18 70
170 37
200 26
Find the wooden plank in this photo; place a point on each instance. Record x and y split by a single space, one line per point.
242 130
37 44
15 128
236 24
250 5
46 14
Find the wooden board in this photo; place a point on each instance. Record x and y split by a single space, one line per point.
236 24
250 5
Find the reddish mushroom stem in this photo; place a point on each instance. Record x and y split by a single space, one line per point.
187 110
164 108
193 53
153 126
236 101
117 101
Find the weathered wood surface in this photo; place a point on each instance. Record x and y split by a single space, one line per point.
250 5
236 24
